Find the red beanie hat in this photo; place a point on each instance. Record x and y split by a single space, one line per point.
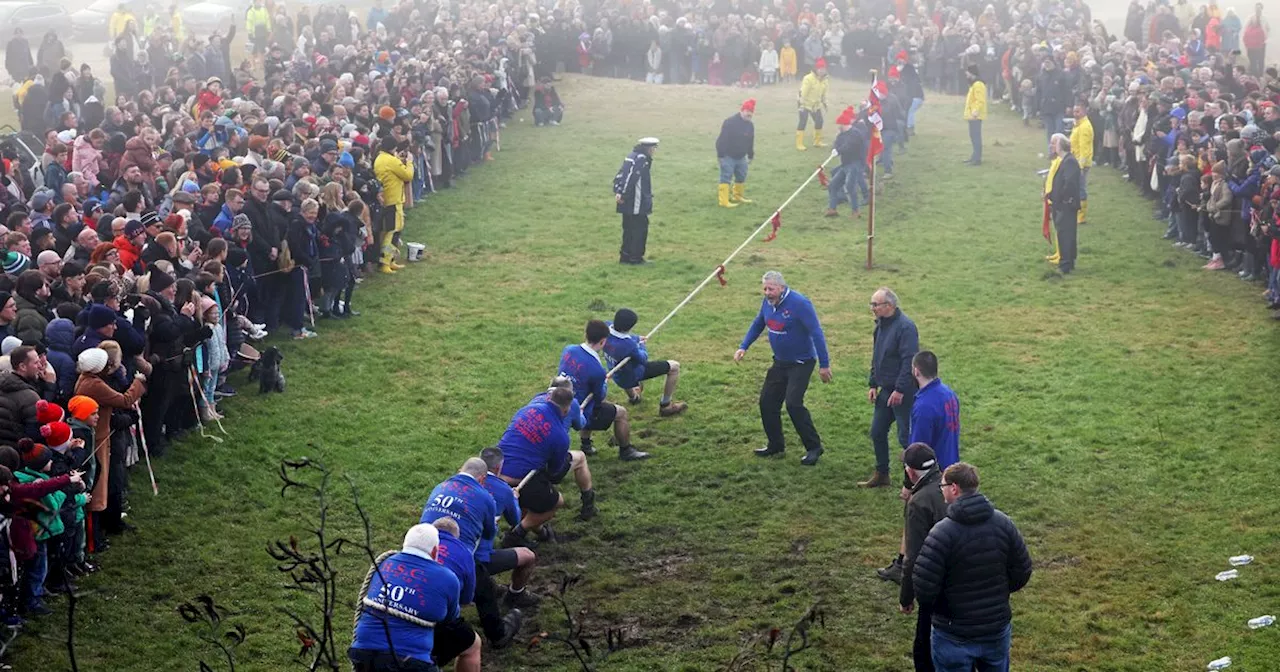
846 117
821 63
750 105
902 56
893 72
47 412
56 434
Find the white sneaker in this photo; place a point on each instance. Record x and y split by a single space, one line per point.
555 123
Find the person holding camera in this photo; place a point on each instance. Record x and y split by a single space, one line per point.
394 170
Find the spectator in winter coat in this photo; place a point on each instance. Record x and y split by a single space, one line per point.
33 310
19 394
86 157
970 563
93 383
925 507
61 336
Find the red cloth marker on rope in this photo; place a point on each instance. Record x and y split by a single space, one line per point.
720 275
822 176
776 221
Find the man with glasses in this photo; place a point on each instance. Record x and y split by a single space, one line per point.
892 387
970 563
924 509
798 343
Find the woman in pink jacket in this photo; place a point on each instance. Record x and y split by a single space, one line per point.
86 156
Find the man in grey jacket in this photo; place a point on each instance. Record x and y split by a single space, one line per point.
924 509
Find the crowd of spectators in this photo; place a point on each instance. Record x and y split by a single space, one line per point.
154 236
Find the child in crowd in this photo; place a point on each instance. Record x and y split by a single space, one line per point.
768 62
787 62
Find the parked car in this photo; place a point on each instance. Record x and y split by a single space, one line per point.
92 21
34 18
202 18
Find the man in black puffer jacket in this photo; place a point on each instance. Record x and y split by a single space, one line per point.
970 563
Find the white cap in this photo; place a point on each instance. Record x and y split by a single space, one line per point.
422 537
648 141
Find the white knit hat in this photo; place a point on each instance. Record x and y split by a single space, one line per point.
422 537
8 344
93 360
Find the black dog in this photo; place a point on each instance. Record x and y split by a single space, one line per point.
267 371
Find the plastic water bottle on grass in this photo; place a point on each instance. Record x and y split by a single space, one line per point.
1227 575
1238 560
1221 663
1261 622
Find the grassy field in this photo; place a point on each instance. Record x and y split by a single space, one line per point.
1119 415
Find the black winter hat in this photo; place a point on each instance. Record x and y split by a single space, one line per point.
919 456
624 319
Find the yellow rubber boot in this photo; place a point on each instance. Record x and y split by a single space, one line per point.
740 193
1056 256
1083 215
724 197
817 138
800 141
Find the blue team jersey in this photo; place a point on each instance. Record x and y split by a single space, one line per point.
537 438
582 365
620 346
455 556
415 585
467 502
935 422
508 506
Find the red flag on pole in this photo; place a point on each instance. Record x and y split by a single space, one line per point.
879 91
822 176
720 275
776 221
1044 224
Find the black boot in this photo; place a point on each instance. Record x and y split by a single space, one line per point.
588 448
510 628
811 457
630 454
769 451
588 510
516 536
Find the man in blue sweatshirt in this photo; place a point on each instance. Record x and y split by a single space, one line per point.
797 341
408 595
624 345
455 640
935 422
537 442
891 387
581 364
463 498
517 560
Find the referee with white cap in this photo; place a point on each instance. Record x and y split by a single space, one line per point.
633 193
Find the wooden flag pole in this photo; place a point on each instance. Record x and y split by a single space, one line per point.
871 206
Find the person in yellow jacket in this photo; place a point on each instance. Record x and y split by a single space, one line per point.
119 19
787 62
257 23
975 111
1048 186
1082 148
394 170
176 28
813 100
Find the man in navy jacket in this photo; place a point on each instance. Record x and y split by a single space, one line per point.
891 386
798 343
970 563
633 193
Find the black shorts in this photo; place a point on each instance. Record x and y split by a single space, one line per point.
452 639
603 417
655 369
539 495
502 560
369 660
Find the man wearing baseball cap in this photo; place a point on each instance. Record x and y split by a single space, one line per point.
925 508
633 192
